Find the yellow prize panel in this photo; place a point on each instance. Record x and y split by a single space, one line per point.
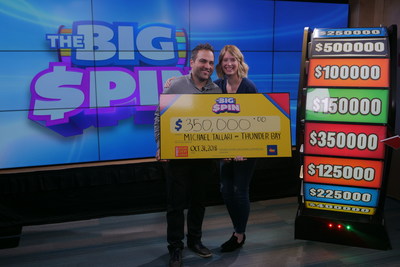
225 126
340 207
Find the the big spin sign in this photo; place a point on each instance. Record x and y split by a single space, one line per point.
103 66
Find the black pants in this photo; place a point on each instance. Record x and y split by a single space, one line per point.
235 177
186 182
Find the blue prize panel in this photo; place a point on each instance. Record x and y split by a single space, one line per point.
341 194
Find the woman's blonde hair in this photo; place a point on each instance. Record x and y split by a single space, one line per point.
243 68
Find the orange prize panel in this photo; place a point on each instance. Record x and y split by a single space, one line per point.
354 72
343 171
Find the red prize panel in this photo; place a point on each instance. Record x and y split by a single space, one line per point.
359 141
344 72
343 171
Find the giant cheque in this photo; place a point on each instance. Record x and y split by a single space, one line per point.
224 126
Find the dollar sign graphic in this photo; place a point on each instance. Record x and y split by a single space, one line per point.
318 47
316 105
317 72
178 124
313 192
313 138
311 169
56 93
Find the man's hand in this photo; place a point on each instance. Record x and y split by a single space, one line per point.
159 158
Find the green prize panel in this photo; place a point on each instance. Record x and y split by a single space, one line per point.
347 105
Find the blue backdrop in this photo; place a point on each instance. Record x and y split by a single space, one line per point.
80 79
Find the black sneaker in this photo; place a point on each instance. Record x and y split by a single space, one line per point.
175 259
232 244
200 250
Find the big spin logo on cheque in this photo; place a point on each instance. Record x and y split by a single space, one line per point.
102 68
226 104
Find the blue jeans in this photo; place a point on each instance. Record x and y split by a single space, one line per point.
235 177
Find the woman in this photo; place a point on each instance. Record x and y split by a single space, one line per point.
235 174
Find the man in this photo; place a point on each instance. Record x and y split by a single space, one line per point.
186 178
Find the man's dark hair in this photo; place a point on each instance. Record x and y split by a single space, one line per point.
201 47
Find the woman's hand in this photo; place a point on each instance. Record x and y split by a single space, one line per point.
167 83
239 158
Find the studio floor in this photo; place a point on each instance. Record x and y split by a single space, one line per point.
139 240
